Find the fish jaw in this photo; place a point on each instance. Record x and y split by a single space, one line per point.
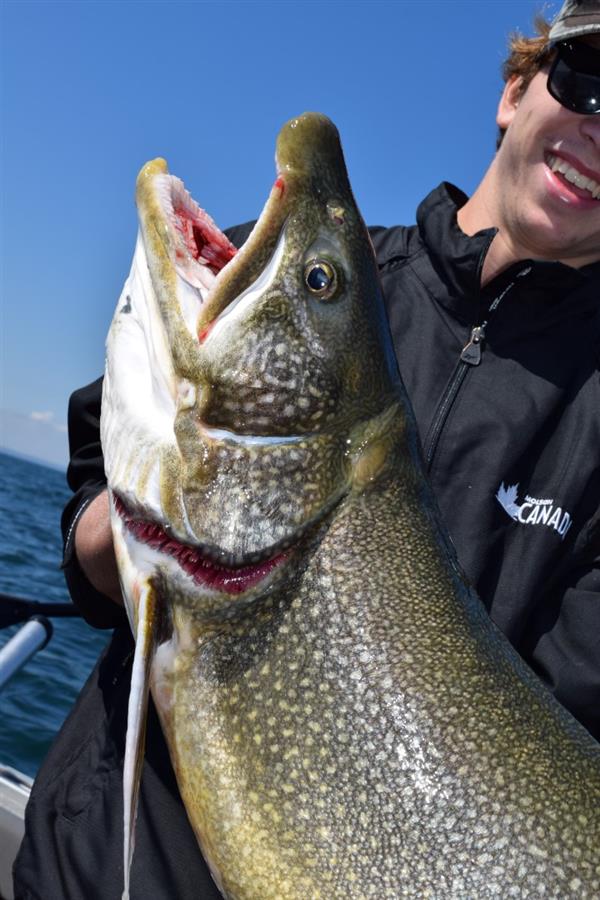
151 354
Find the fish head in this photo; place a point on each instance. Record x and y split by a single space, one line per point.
291 340
263 374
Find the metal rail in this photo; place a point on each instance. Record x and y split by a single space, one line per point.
19 609
33 636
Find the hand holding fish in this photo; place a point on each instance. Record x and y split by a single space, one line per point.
95 548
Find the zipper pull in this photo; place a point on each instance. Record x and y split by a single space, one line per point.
471 353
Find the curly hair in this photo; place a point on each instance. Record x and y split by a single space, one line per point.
527 56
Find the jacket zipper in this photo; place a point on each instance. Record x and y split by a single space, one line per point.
470 356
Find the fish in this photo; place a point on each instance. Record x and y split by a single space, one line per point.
343 717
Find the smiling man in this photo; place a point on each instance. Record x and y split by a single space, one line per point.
494 307
542 189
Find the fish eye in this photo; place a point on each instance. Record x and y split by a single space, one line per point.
321 278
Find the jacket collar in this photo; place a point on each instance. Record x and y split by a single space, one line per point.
458 259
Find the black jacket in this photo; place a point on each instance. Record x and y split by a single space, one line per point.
515 419
510 426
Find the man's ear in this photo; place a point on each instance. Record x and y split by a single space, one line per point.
509 101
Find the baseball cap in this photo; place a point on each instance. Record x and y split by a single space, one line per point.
576 18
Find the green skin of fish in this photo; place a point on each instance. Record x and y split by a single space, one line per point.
360 728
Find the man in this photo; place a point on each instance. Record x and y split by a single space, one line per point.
493 304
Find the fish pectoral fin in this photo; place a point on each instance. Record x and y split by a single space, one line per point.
145 643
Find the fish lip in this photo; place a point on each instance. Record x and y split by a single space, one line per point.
222 575
161 533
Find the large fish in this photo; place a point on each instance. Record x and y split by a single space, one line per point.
343 718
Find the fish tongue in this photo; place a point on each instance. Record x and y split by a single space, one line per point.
145 642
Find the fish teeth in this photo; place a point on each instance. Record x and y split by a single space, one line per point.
574 176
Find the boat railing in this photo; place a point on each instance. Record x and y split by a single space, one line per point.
15 787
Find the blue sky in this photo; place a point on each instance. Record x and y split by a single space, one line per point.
92 90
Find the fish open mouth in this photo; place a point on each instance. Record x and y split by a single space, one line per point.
205 570
203 240
200 251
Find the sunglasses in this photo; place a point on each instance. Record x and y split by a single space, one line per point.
574 77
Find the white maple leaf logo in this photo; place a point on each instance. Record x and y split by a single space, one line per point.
507 498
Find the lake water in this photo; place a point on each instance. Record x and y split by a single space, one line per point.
35 702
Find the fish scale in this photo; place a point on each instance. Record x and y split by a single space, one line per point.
351 723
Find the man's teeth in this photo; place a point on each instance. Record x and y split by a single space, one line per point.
575 177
